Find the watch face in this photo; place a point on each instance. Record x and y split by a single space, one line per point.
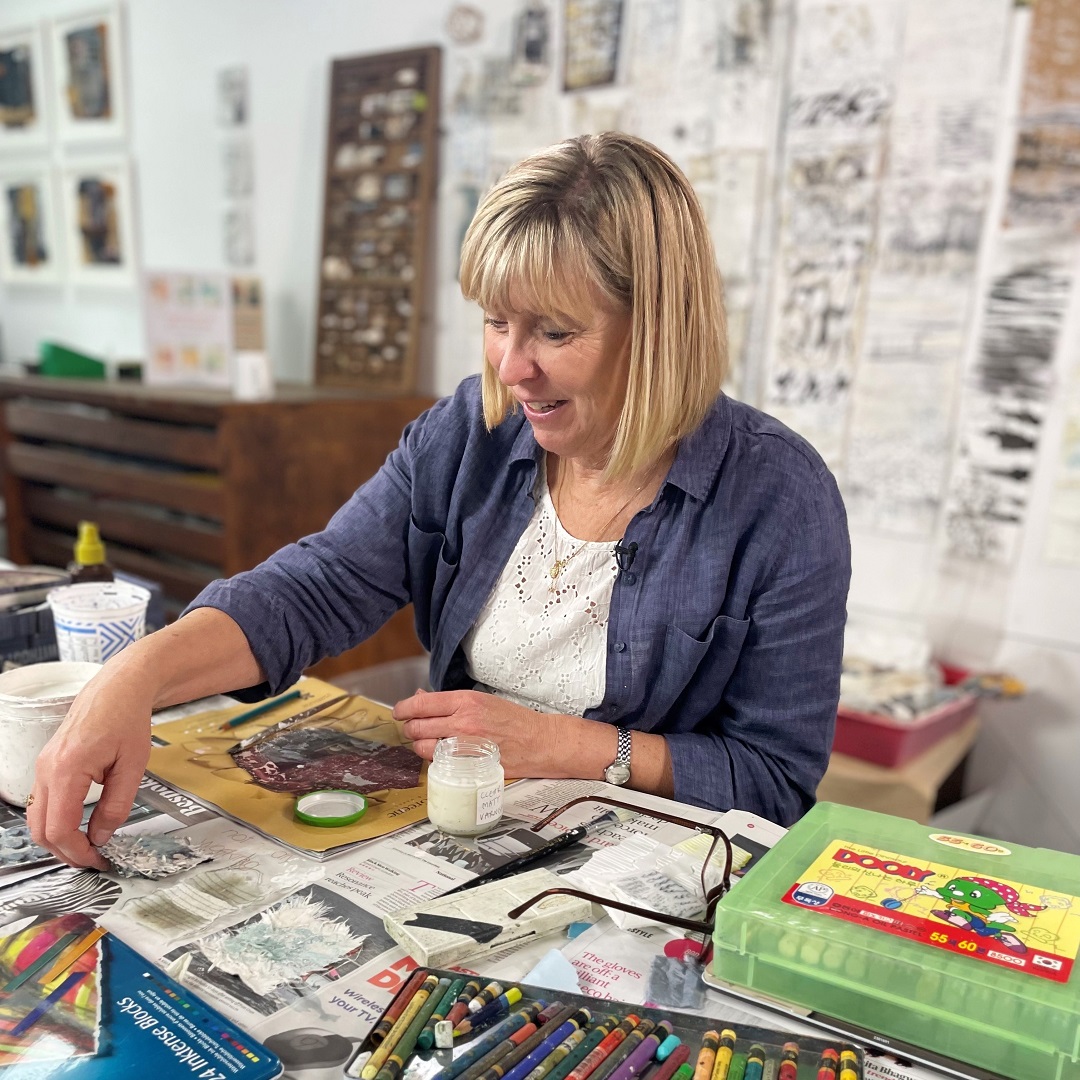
617 774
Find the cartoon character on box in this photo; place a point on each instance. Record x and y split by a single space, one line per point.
972 902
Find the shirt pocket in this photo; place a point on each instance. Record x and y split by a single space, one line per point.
432 569
700 665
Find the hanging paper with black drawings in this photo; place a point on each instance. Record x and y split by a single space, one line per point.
592 32
1007 397
1063 528
1045 185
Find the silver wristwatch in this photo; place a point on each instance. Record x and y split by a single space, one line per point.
618 772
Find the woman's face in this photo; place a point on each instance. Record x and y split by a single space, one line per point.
570 379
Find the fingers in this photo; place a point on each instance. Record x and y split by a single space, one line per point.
424 748
114 806
55 818
428 703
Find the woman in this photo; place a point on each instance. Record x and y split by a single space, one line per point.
698 657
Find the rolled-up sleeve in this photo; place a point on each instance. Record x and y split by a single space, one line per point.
766 744
329 591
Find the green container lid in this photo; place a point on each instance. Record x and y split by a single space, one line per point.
953 943
61 362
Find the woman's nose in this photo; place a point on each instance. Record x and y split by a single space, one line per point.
515 361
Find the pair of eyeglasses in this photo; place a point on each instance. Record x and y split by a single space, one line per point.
711 896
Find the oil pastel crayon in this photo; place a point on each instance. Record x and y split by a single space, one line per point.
600 1053
498 1052
623 1050
499 1034
558 1055
829 1064
405 1046
547 1022
755 1062
706 1058
444 1035
849 1064
593 1038
724 1052
386 1047
640 1056
427 1036
486 996
666 1048
578 1019
684 1071
665 1070
738 1067
493 1010
789 1062
382 1028
461 1006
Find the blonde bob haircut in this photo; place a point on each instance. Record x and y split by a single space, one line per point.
608 219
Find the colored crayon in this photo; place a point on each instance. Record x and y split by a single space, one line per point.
405 1046
724 1052
427 1036
397 1007
849 1064
498 1052
738 1067
755 1063
707 1055
770 1070
492 1011
461 1006
578 1019
46 959
679 1057
684 1071
789 1062
829 1064
640 1056
39 1010
546 1023
593 1038
444 1035
664 1050
592 1060
558 1055
623 1050
500 1033
486 996
401 1025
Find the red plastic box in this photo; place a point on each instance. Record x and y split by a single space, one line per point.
891 743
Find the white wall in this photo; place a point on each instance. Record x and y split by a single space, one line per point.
1025 620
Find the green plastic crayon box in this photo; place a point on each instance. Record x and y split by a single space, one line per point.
953 943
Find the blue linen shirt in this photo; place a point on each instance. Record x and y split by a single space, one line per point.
725 635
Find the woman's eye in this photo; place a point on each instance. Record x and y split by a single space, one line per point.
557 335
496 324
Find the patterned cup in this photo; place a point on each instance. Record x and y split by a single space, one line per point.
96 619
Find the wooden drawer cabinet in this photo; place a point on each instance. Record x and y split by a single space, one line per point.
190 485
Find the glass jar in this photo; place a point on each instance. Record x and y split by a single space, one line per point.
465 786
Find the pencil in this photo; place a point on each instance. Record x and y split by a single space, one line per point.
386 1047
665 1070
486 996
547 1022
497 1052
592 1039
397 1006
724 1053
501 1033
427 1036
265 707
621 1052
492 1011
407 1043
551 1040
72 953
640 1056
596 1056
461 1006
706 1055
43 961
43 1007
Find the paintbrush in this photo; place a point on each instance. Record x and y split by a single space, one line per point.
284 725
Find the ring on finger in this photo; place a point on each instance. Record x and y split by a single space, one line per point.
30 800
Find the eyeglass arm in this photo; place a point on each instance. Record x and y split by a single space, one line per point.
697 926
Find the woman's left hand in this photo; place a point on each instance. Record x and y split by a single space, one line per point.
526 738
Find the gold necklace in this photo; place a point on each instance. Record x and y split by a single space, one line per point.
559 565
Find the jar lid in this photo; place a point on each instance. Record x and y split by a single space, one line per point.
330 809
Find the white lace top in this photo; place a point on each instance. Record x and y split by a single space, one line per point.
537 647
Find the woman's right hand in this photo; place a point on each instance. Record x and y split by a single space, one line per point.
104 739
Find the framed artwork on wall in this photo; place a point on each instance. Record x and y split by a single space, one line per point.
378 217
88 76
22 90
98 224
30 254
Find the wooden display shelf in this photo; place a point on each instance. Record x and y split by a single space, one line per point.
191 485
